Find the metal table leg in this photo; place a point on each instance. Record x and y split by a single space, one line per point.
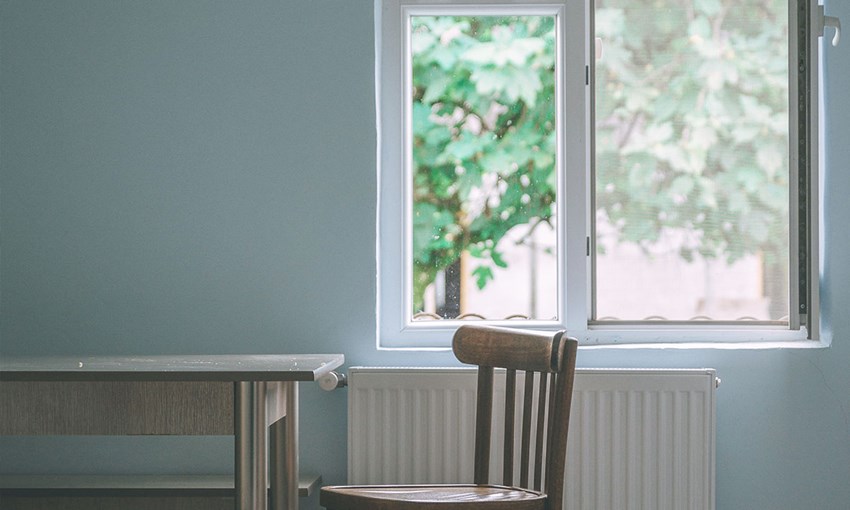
283 453
249 427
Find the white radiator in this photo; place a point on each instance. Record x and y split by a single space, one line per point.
638 440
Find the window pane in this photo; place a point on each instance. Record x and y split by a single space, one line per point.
692 164
484 167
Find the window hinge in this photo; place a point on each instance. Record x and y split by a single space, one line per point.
829 21
587 75
588 246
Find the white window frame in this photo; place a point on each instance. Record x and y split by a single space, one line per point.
395 327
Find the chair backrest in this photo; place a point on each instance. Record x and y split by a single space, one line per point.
548 361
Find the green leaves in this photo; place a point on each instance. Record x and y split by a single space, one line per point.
433 231
482 275
508 83
501 69
504 50
483 137
692 124
708 7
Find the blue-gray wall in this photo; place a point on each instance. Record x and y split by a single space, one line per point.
199 176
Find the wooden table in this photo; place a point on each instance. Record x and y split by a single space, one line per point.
243 395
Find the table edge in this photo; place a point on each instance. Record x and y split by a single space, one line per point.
7 375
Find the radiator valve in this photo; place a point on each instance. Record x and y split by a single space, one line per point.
333 380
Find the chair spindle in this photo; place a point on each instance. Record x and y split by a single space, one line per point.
528 397
510 411
484 414
553 381
541 428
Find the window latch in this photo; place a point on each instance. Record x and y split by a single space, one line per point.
830 21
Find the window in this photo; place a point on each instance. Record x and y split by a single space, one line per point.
631 171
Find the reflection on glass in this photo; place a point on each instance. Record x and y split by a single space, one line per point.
692 160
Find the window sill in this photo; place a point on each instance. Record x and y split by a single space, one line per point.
709 338
719 339
740 345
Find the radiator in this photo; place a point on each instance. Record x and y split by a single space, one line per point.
638 440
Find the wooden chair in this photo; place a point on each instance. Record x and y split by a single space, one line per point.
549 363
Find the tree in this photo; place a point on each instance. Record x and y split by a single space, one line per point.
484 138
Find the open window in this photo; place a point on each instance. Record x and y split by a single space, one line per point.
629 171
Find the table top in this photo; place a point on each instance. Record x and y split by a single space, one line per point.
225 367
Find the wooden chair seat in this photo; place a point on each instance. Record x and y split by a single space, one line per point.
443 497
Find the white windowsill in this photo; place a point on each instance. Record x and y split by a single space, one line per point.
613 339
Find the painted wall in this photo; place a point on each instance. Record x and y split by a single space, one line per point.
199 176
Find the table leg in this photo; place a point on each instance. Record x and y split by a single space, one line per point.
249 427
283 453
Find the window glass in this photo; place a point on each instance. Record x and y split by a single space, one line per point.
483 151
692 160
